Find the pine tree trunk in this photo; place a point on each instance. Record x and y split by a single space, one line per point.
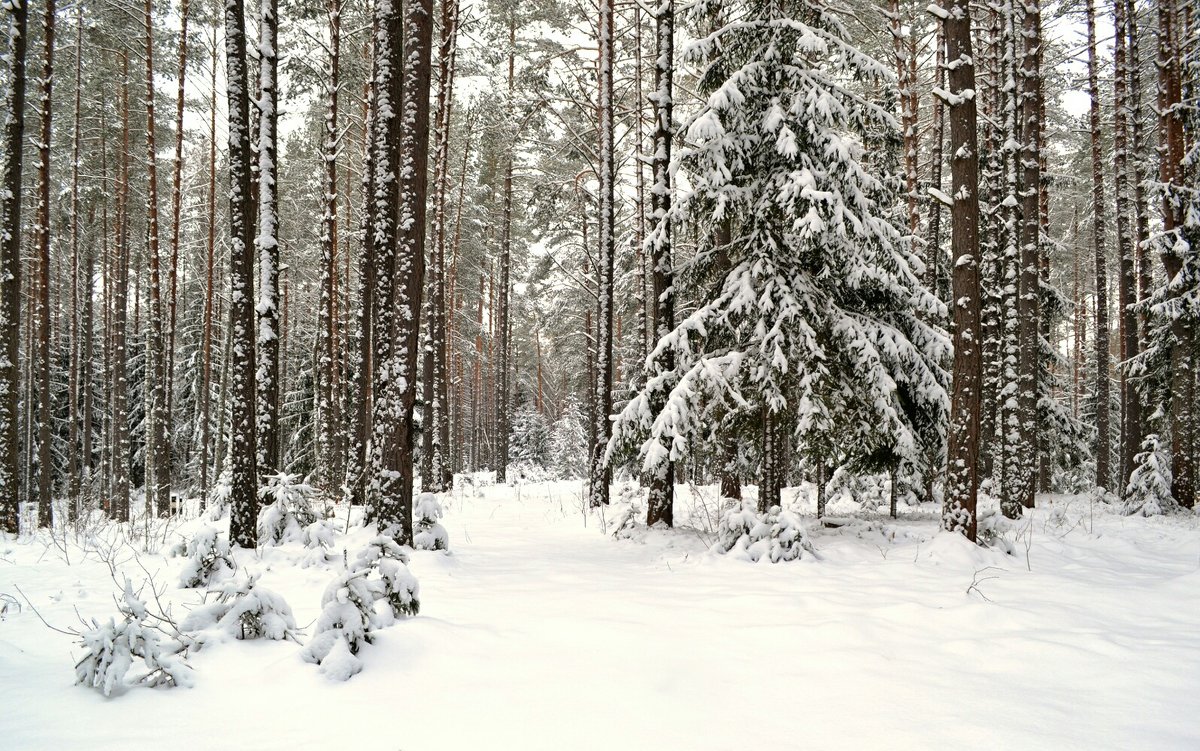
435 422
908 112
1100 337
73 482
158 452
267 244
1172 148
444 290
477 383
962 479
329 417
119 443
361 354
14 18
933 255
598 485
458 447
42 232
176 211
388 74
397 439
1141 207
209 284
243 453
661 503
502 300
1131 417
1030 84
991 234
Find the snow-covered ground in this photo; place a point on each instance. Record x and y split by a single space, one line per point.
541 632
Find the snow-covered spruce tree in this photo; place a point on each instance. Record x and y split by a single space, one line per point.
1149 491
776 534
286 509
529 438
568 441
819 321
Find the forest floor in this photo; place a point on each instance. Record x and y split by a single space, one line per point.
542 631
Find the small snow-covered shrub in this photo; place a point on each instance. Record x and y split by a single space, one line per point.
1149 491
135 642
287 509
319 537
370 594
208 557
995 530
776 535
429 534
320 534
243 610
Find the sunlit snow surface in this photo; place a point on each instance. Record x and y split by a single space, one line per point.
539 632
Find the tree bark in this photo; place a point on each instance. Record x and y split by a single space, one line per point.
1131 417
1030 85
267 244
14 17
329 415
209 285
176 208
119 443
962 479
76 359
243 453
502 297
1100 336
397 436
661 503
158 452
42 233
599 477
1172 147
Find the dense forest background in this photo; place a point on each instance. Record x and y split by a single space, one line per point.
470 257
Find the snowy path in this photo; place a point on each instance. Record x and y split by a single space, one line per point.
540 634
